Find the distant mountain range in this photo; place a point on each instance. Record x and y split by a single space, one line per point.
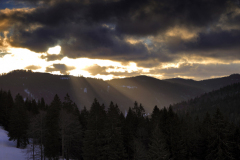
146 90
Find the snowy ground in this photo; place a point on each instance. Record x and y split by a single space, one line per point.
8 150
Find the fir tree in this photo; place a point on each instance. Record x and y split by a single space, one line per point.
128 130
19 123
220 146
83 118
6 105
52 143
70 129
70 133
94 135
140 151
113 149
155 117
158 149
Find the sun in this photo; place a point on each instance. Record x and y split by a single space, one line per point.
54 50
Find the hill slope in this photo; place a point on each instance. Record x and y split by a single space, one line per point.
146 90
227 99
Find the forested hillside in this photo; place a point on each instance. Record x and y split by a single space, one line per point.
227 99
104 132
147 90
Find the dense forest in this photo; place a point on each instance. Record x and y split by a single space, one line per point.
104 132
227 99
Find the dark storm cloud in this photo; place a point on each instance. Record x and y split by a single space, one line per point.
33 67
98 28
216 44
100 42
62 68
39 41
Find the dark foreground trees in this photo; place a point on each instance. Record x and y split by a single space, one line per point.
60 130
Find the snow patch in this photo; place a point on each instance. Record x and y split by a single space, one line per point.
8 150
129 87
64 77
125 114
29 93
145 115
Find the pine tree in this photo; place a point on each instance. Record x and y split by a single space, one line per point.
95 139
19 122
6 105
83 118
236 148
174 136
140 152
52 143
2 108
113 149
70 133
155 117
220 146
129 130
158 149
70 129
41 105
207 134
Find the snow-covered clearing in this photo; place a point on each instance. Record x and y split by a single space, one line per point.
8 150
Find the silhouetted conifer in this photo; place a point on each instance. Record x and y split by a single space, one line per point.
95 139
158 149
113 149
220 146
6 105
52 142
19 122
129 130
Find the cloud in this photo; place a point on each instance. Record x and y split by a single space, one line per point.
52 57
163 30
33 67
96 69
219 44
62 68
102 70
197 71
2 54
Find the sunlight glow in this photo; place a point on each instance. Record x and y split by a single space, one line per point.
20 58
54 50
170 65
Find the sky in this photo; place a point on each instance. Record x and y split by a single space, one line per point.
192 39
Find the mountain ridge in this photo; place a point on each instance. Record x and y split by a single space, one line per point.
144 89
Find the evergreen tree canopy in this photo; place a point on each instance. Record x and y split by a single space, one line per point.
19 122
